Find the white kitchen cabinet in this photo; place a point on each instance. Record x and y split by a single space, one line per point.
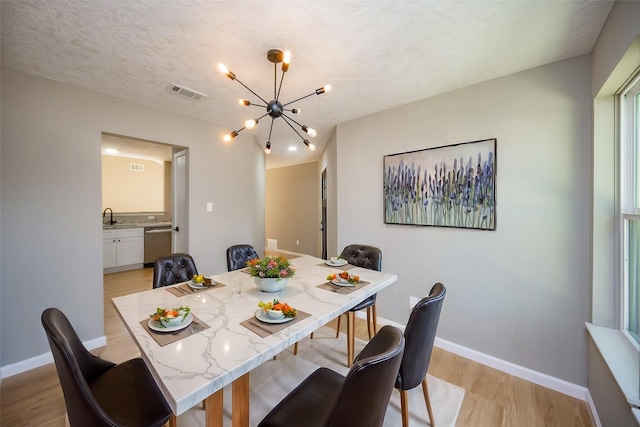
122 247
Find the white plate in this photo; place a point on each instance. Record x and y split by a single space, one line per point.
343 283
194 285
158 327
340 263
262 316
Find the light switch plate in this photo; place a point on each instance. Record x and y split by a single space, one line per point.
209 206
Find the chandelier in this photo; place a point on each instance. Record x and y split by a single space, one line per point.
274 108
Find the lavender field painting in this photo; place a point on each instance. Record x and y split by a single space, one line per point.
450 186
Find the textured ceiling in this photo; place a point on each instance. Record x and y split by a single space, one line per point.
376 54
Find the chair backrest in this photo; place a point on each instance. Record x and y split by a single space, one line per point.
419 335
364 396
76 368
238 255
363 256
172 269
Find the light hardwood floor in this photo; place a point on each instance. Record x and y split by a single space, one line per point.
492 398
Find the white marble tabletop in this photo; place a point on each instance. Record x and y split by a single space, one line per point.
193 368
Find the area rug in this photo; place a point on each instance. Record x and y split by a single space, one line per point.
271 382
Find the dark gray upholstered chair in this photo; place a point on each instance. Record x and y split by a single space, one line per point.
419 336
97 392
238 255
366 257
326 398
172 269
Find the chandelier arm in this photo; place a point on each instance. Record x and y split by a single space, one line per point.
275 78
280 87
262 116
295 100
294 129
291 119
249 89
271 129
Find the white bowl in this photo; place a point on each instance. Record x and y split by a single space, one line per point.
270 285
275 314
335 259
173 321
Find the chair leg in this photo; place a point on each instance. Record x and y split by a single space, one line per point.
338 327
427 400
375 318
311 335
295 349
369 323
404 406
173 420
351 331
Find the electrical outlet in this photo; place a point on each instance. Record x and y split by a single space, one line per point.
209 206
151 217
413 301
297 242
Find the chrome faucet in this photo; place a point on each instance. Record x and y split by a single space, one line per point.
104 213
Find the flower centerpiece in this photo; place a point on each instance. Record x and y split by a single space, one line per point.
271 274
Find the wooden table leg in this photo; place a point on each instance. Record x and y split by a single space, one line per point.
173 420
240 402
351 331
214 409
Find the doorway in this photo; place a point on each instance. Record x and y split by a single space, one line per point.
160 197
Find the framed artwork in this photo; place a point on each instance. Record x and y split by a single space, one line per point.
448 186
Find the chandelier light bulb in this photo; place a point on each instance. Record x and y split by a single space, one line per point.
251 123
296 111
226 71
310 131
267 149
230 136
309 145
285 61
244 102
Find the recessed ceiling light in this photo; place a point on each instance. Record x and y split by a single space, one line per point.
111 151
292 148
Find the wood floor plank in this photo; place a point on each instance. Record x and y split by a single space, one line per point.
492 398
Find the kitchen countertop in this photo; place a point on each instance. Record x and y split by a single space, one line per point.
135 225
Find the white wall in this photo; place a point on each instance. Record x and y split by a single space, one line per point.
51 201
519 293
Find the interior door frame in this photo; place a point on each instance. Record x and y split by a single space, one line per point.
180 201
323 221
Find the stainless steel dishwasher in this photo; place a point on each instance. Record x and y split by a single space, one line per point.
157 242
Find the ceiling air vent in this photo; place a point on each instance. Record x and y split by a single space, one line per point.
136 167
189 93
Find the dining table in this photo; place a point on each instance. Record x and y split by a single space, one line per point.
224 341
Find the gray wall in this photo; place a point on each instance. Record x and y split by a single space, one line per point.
328 161
612 62
519 293
50 173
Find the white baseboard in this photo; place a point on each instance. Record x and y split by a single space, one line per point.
44 359
593 412
530 375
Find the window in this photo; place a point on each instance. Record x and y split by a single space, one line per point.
630 207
